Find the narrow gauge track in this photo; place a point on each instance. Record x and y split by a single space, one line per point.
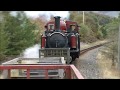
76 62
93 47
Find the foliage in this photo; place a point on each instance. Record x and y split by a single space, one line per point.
4 40
94 22
112 30
20 32
40 26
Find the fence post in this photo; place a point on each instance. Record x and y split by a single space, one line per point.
9 73
28 73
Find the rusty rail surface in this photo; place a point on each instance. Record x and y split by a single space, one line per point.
71 72
93 47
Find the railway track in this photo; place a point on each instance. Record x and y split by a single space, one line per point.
76 62
92 47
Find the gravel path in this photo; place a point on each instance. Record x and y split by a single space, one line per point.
87 65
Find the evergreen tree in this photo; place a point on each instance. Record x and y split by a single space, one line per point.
3 38
20 32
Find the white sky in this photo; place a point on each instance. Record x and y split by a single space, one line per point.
63 14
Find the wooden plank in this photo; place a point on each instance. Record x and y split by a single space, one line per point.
36 76
35 67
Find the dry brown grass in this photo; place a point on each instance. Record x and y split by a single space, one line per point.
105 63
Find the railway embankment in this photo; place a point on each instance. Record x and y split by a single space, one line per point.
96 63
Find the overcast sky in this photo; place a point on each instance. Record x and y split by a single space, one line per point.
63 14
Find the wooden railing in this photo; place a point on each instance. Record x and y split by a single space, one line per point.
71 72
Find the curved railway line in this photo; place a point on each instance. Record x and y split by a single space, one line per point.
85 50
92 47
88 63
